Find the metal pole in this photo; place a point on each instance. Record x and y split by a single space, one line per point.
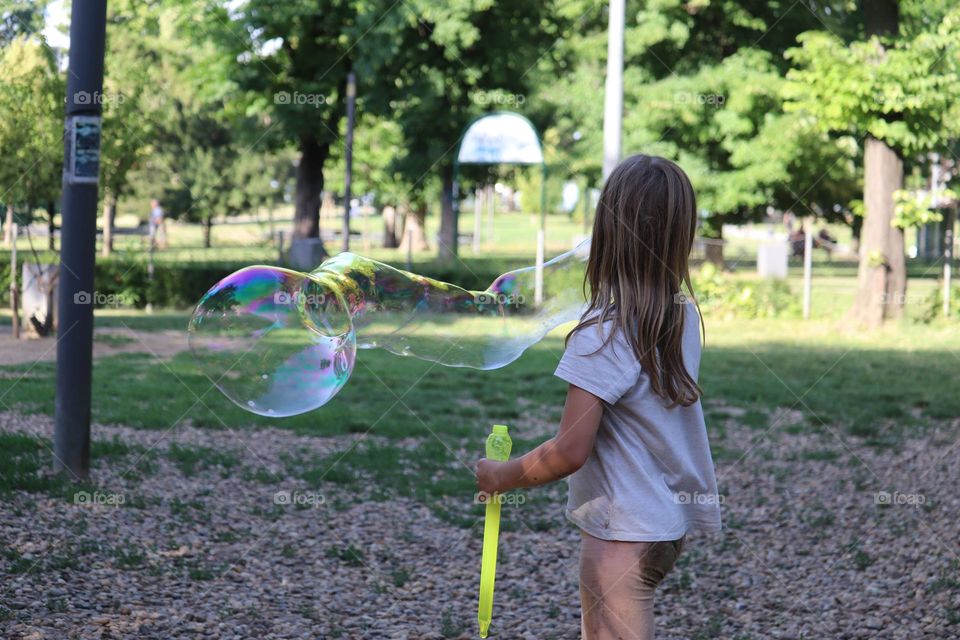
477 219
807 268
541 240
586 207
491 196
348 156
950 220
948 231
454 207
71 438
14 292
409 245
613 92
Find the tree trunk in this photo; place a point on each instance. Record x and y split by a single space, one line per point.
449 234
856 227
413 229
896 292
881 280
309 187
109 214
51 227
207 231
882 276
881 17
713 249
8 227
389 227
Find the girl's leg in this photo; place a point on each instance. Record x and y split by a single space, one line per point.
617 583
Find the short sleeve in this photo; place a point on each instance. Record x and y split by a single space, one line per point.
607 371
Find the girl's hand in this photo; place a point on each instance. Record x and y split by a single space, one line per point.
490 476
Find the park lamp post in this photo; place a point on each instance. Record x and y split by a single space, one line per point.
81 171
613 90
348 157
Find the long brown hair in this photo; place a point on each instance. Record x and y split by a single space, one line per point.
643 232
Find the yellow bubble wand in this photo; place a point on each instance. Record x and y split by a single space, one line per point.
498 448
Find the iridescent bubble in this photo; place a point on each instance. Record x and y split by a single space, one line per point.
274 341
279 342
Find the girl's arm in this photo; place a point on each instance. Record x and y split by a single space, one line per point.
556 458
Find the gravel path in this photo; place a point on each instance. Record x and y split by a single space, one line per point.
807 551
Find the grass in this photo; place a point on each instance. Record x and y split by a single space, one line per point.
869 383
348 555
190 459
430 420
25 463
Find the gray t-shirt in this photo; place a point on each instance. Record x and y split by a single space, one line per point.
650 476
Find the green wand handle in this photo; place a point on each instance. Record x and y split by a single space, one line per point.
498 448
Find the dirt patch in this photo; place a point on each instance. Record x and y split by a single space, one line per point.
106 342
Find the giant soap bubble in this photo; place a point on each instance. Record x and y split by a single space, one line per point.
279 342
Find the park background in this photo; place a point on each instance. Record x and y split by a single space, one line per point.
835 435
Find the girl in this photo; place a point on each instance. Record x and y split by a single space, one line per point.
632 438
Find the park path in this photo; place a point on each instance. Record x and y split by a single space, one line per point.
107 341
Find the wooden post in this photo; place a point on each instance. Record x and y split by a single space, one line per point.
807 267
14 290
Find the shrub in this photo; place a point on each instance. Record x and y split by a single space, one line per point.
721 296
933 305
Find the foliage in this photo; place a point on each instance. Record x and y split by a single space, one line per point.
702 85
915 208
21 18
904 91
449 62
180 286
723 297
31 126
129 99
762 102
933 305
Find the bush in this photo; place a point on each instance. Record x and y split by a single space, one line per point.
178 286
182 286
721 296
933 305
172 286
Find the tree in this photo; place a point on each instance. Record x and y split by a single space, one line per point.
897 89
129 109
703 84
21 18
291 61
31 130
375 143
205 171
185 150
451 62
260 181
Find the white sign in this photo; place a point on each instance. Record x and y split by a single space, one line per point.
500 138
82 162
